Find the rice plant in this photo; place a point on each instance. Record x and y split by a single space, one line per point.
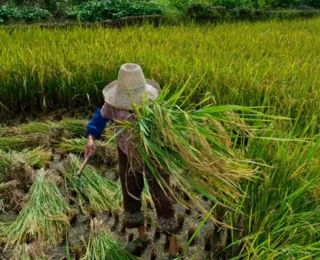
282 219
106 153
76 127
102 245
44 217
234 61
37 127
73 127
273 65
35 158
92 189
15 142
191 146
21 142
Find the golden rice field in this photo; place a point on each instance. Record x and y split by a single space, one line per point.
273 65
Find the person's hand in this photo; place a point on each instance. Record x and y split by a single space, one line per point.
90 147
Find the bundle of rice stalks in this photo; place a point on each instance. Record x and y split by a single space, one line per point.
37 127
94 189
15 142
21 253
191 146
21 142
17 175
106 153
44 217
102 245
9 161
20 136
53 131
75 127
36 158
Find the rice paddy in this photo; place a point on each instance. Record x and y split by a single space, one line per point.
268 208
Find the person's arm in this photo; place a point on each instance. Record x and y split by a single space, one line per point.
96 125
94 130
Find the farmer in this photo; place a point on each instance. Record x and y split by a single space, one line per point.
131 86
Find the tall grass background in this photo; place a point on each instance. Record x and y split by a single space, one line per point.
273 63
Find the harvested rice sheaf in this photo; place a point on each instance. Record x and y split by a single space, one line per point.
21 142
102 245
94 189
40 133
106 153
11 160
17 174
192 146
76 127
44 217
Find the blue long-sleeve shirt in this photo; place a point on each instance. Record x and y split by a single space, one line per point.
97 124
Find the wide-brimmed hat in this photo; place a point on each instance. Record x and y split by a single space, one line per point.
131 87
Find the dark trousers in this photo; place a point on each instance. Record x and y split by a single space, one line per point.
132 186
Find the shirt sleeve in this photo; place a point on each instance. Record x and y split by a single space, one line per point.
96 125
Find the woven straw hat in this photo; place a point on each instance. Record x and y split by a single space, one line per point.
131 87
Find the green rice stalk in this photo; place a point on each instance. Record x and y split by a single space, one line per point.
95 190
44 217
102 245
192 146
24 141
106 153
15 142
38 127
76 127
72 127
35 158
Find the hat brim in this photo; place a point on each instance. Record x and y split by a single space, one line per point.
123 99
